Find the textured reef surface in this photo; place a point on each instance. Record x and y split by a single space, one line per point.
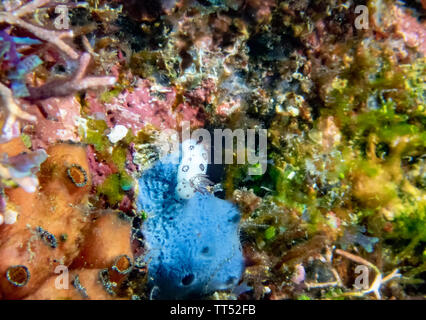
92 208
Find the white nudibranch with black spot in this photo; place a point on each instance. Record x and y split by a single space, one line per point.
192 169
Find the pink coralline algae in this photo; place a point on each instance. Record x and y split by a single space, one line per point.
261 10
412 31
57 120
226 109
202 94
130 165
100 169
146 104
12 113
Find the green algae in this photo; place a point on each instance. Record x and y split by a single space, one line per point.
115 186
95 134
126 182
369 177
108 95
270 233
119 155
111 188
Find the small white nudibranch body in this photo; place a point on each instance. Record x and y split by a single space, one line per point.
192 166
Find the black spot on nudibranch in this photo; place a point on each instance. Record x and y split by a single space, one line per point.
202 167
185 168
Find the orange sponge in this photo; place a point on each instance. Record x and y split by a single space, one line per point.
50 223
81 284
107 239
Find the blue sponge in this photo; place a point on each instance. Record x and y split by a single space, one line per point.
193 245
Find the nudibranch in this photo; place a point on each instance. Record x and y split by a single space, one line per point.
191 237
192 170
